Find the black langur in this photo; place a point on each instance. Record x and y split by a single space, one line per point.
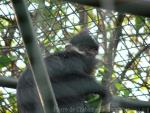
69 73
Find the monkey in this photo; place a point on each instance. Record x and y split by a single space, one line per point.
70 74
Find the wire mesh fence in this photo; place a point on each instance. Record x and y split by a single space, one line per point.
124 43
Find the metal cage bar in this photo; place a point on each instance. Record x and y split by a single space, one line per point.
38 67
137 7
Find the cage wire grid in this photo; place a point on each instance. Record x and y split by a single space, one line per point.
123 38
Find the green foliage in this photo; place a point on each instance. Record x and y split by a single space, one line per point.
12 100
120 87
131 111
94 102
138 22
5 60
8 103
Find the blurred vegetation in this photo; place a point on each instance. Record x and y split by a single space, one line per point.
123 39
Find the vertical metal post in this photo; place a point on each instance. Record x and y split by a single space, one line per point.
38 67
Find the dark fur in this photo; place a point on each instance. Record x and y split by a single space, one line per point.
69 72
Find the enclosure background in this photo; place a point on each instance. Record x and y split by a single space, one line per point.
123 39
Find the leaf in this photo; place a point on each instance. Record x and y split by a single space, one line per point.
92 98
119 86
143 89
5 60
93 101
126 93
136 78
138 22
131 111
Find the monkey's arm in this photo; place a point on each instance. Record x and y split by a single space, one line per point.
88 85
84 84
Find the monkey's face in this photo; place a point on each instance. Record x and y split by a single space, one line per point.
92 52
89 51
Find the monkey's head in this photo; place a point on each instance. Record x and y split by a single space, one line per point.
84 43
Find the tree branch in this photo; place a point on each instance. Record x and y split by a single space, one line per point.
121 102
8 82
